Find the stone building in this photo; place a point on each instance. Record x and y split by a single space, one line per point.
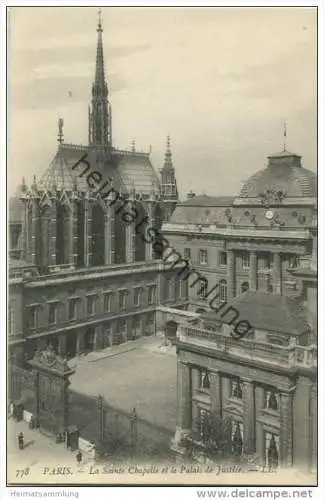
82 227
252 359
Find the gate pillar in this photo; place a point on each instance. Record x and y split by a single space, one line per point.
51 376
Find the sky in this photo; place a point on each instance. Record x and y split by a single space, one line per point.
220 81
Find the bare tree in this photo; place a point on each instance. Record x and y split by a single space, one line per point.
211 436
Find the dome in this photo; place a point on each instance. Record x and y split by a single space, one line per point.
284 173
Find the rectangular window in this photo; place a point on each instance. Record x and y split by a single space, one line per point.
202 289
204 380
123 300
137 296
265 261
203 257
72 309
91 305
52 314
271 399
293 261
107 302
33 317
151 294
204 424
236 388
222 258
245 260
187 253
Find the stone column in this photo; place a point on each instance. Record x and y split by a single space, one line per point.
230 275
62 345
277 273
314 417
87 231
73 236
98 338
259 432
150 224
195 382
183 397
130 236
80 342
109 233
253 270
53 232
216 395
249 416
286 430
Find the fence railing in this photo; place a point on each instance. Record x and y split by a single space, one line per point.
290 356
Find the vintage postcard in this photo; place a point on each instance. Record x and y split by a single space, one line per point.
162 246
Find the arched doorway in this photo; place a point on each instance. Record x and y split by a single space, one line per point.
71 345
244 287
89 339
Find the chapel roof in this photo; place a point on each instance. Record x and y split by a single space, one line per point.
126 170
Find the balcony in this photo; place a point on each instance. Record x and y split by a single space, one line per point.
292 356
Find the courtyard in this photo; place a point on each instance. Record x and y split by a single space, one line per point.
141 374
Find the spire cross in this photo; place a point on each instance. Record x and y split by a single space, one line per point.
99 21
285 137
60 137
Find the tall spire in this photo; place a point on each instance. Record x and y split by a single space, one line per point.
99 117
169 189
100 69
168 154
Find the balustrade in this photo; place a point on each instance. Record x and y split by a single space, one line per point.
293 355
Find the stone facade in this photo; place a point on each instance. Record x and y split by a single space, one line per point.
86 273
255 254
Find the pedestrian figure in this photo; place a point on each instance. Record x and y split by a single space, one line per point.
79 457
21 441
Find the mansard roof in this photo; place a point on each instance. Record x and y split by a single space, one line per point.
202 209
270 312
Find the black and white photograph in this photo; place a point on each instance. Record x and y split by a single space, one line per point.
162 246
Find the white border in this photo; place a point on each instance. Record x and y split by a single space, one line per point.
143 493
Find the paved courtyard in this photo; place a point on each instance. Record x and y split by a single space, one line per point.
139 374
